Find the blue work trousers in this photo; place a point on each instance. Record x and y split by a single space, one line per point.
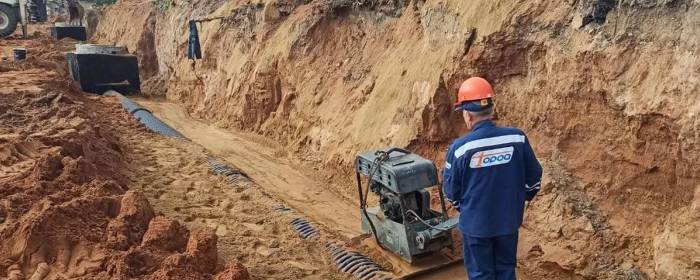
491 258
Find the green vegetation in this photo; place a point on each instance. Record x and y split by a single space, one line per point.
163 4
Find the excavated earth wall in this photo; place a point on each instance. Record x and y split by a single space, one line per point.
606 91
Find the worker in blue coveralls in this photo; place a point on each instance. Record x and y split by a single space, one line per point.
489 175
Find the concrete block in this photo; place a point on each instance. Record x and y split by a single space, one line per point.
69 31
105 49
99 72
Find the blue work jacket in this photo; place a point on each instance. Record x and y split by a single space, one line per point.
488 176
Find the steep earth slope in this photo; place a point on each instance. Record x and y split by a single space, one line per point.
606 90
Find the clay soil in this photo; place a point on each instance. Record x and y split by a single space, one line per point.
86 192
291 91
607 95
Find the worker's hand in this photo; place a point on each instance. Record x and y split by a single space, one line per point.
455 204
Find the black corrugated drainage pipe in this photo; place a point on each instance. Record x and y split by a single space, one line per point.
145 116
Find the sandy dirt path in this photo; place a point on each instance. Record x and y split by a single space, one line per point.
266 168
180 185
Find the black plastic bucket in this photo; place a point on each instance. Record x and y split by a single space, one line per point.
20 54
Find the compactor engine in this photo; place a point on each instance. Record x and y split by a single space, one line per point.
403 222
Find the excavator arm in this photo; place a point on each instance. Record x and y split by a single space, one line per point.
24 17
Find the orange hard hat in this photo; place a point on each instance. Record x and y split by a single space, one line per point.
474 89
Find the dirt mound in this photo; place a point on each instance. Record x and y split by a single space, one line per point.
128 228
234 272
167 253
166 234
66 211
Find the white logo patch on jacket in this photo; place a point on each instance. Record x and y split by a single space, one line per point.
491 157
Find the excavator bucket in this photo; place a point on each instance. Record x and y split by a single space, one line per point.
75 13
72 14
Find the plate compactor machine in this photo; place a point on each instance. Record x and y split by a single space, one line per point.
404 222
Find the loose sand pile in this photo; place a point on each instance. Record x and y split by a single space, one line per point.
66 211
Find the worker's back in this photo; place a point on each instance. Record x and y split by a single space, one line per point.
487 172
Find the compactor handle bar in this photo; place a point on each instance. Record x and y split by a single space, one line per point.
395 149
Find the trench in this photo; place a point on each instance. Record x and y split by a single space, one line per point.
256 160
279 178
284 180
265 167
346 259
